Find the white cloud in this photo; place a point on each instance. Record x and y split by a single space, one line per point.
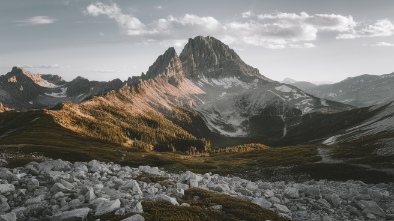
158 7
246 14
131 25
384 44
37 20
381 28
276 31
43 66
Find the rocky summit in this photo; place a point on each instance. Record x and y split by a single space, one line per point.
60 190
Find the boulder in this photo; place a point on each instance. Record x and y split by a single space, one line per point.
262 202
313 192
6 188
291 193
5 174
107 206
73 215
8 217
149 170
136 217
166 198
371 207
281 208
132 185
32 184
137 208
58 187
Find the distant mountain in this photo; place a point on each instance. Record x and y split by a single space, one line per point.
303 85
361 91
205 97
288 81
23 90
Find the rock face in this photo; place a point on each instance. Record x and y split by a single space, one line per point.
210 57
167 64
107 188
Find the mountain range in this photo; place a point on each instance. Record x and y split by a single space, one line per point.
203 99
361 91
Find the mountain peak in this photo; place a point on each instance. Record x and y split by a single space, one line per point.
167 64
288 81
210 57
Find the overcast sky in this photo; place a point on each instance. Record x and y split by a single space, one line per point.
313 40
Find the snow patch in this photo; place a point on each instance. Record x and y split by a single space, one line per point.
59 94
331 140
324 102
284 88
44 83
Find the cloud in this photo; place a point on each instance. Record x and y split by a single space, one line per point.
37 20
131 25
274 31
327 22
246 14
158 7
384 44
43 66
381 28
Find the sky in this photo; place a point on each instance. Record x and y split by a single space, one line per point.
311 40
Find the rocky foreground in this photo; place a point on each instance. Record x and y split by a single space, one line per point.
60 190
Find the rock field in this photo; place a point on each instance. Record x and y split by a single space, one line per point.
60 190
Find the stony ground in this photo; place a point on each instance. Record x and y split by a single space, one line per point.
60 190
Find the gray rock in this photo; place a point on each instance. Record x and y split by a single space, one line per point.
8 217
36 200
105 207
282 208
314 192
5 174
222 188
136 217
372 207
166 198
58 187
19 212
137 208
335 200
32 184
326 218
262 202
269 193
150 170
4 207
251 186
132 185
89 196
6 188
216 207
73 215
193 183
182 186
291 193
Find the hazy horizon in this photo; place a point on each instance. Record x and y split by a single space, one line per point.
104 40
